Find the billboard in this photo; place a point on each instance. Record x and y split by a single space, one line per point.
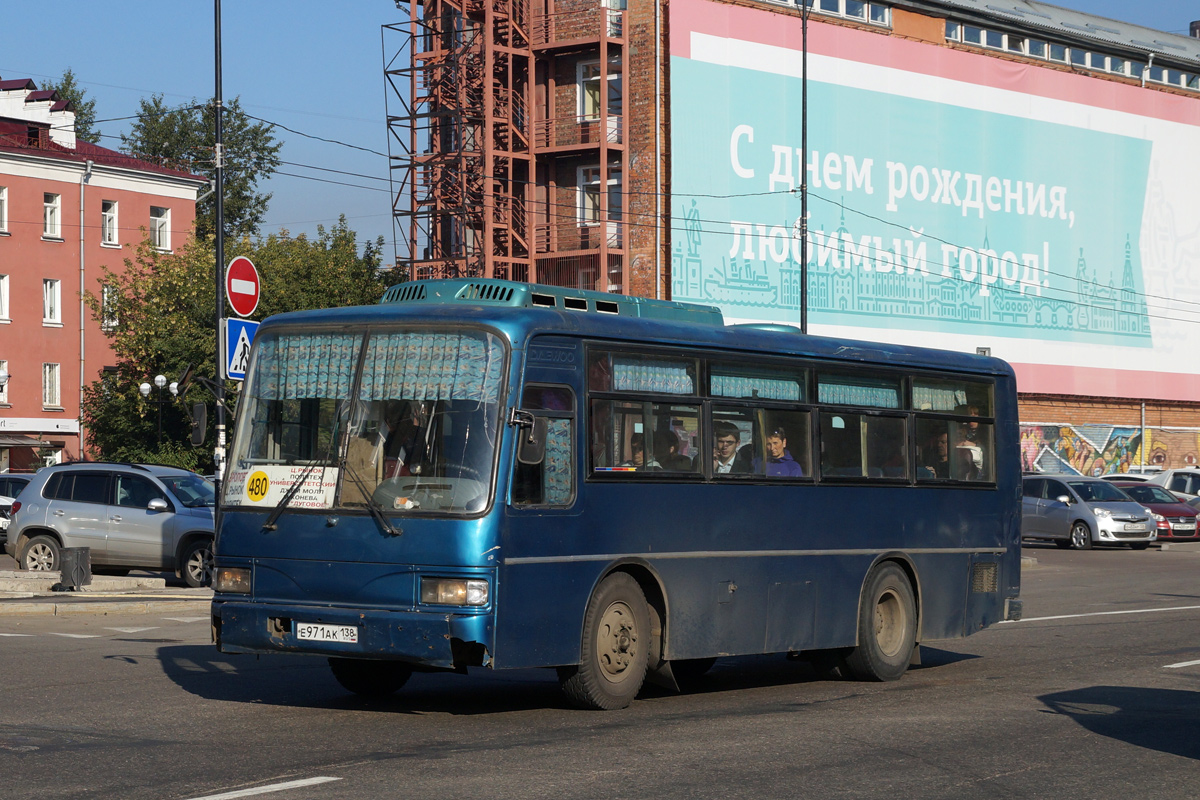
956 199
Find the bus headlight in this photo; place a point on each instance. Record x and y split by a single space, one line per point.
232 580
454 592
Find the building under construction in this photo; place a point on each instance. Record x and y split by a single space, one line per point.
511 134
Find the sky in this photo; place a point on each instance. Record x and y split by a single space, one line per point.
315 68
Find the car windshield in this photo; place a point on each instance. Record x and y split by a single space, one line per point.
1150 494
1098 492
415 430
193 491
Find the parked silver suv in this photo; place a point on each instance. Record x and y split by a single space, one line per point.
130 515
1075 511
1182 481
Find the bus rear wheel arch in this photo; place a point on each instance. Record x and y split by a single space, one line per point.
615 650
887 626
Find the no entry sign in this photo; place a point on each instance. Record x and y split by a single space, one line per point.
242 286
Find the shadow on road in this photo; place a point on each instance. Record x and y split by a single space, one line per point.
306 681
1156 719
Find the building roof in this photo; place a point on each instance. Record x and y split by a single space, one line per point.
14 138
1065 23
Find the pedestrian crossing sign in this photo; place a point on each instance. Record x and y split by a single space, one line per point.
239 333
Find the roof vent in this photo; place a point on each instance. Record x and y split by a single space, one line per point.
404 293
488 292
575 303
539 299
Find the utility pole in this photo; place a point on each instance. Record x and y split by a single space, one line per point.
805 7
219 154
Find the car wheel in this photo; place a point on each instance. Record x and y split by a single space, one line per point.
887 626
198 563
1081 536
616 646
42 554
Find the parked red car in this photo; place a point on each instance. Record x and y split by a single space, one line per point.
1176 519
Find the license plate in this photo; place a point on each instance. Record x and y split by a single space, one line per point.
1184 527
1134 526
327 633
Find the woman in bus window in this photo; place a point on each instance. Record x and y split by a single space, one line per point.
779 462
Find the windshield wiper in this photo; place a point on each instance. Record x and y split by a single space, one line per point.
291 492
373 506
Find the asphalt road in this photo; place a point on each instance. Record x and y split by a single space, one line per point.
1085 698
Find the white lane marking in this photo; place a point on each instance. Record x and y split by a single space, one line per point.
186 619
78 635
1182 664
16 634
132 630
1108 613
274 787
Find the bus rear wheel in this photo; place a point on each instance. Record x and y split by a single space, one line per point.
373 679
616 643
887 625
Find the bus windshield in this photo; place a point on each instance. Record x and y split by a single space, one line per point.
414 429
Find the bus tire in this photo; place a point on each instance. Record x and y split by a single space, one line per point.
372 679
887 626
616 644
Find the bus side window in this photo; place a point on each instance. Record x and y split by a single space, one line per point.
552 482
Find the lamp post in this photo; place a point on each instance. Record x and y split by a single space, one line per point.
4 376
160 381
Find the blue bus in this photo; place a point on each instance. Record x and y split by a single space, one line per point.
478 473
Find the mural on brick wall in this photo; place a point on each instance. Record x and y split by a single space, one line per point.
1104 449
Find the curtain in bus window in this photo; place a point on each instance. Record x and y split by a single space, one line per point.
432 366
645 375
935 398
755 387
313 365
557 464
875 393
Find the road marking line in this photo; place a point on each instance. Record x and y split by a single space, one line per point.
132 630
1107 613
274 787
186 619
1182 664
78 635
17 634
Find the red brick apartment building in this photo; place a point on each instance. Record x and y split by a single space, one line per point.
1002 175
67 208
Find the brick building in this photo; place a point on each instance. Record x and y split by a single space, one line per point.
1015 177
67 209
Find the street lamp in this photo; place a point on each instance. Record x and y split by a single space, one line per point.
4 376
160 381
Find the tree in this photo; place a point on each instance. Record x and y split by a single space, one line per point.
185 138
163 305
85 110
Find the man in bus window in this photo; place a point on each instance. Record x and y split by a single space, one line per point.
779 462
936 463
666 452
726 438
637 451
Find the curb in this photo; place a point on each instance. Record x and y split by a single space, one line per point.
20 608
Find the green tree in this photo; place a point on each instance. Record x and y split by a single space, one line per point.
185 138
85 110
163 306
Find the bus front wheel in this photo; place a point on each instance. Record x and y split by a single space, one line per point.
887 625
374 679
616 642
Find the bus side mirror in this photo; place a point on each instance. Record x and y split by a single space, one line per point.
531 441
199 423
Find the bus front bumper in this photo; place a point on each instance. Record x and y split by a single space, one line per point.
440 640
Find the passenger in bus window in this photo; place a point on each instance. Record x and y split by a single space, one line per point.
666 452
779 462
637 451
936 456
726 439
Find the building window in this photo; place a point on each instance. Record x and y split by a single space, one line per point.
51 216
160 227
590 212
876 13
50 393
3 209
108 222
108 307
51 302
4 298
4 388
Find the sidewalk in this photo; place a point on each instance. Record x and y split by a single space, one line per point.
23 593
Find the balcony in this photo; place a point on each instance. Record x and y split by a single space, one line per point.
577 131
575 25
567 237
